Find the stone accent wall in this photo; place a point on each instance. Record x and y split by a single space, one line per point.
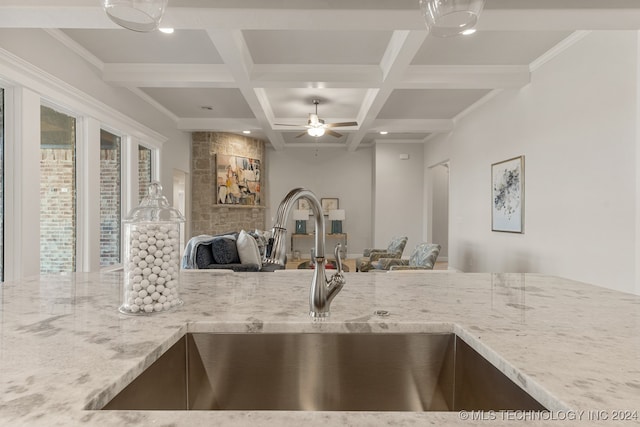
110 207
57 210
208 217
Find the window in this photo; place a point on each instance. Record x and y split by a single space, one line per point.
144 171
110 198
57 192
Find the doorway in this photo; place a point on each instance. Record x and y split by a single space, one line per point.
438 220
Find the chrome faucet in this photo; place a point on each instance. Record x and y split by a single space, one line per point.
322 290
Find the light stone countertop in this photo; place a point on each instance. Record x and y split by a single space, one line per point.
64 347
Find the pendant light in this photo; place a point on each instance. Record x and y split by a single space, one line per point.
136 15
445 18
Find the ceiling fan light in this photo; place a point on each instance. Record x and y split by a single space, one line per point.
316 131
136 15
445 18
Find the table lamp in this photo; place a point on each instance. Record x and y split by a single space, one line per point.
336 216
301 216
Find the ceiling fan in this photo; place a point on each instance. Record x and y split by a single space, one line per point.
317 127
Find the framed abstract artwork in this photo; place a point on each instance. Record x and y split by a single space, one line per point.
507 195
238 180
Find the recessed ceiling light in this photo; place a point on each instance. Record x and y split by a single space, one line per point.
246 132
166 30
384 132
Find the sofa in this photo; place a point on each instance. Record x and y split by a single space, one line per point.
237 251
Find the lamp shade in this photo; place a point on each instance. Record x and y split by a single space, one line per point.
337 215
136 15
446 18
301 214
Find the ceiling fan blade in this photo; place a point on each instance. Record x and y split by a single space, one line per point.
333 133
302 134
283 124
341 124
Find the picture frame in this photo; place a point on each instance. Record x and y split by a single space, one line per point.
238 180
328 204
507 195
304 204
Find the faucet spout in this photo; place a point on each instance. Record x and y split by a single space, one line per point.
322 290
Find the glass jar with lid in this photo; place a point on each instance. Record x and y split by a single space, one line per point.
151 255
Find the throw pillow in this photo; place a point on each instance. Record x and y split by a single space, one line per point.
204 257
225 251
248 249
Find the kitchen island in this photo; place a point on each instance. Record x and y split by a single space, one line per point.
65 350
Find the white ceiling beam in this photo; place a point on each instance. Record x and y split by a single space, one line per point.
331 76
568 19
316 76
412 125
398 56
155 104
376 16
465 77
75 47
219 125
234 51
169 75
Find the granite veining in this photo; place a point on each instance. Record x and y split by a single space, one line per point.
65 350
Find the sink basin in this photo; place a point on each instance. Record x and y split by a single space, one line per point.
322 372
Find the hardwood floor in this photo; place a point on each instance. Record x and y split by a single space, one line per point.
351 263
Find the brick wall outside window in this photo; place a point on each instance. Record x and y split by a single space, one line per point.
144 171
110 205
57 210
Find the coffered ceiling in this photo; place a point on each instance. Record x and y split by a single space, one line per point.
234 65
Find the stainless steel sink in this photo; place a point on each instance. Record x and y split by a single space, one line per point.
322 372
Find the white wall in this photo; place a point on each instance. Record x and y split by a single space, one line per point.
399 191
575 123
327 172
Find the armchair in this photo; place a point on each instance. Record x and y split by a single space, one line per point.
423 257
394 250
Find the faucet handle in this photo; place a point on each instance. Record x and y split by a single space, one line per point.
336 252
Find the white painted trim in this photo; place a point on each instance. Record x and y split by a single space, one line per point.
75 47
12 243
22 196
171 75
155 104
575 37
88 202
129 177
479 103
398 141
637 169
465 76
